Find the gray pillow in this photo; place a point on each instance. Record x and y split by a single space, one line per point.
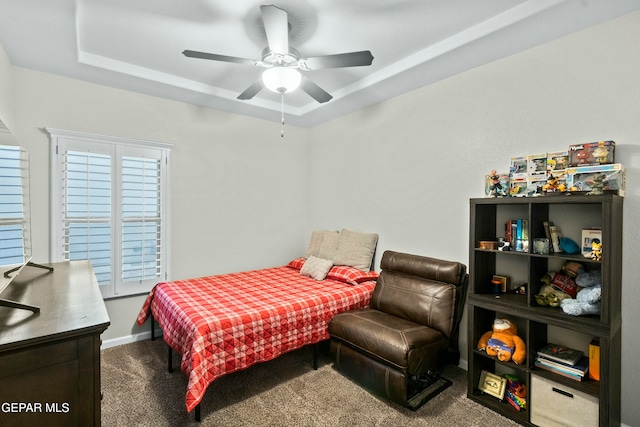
329 244
356 249
316 268
314 244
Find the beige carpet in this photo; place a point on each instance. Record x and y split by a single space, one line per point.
138 391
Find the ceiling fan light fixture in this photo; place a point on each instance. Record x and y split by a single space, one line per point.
281 79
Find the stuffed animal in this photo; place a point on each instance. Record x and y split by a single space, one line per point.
587 300
572 268
569 246
588 279
503 342
561 282
550 296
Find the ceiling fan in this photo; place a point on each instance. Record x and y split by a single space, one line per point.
283 63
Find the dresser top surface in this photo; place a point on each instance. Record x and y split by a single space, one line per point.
69 299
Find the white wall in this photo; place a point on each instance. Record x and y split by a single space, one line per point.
6 92
239 191
407 167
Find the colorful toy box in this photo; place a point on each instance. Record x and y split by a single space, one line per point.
537 165
518 187
582 178
534 185
557 162
518 168
592 153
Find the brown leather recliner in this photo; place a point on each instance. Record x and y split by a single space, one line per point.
409 329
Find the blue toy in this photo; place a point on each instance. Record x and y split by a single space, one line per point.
587 300
569 246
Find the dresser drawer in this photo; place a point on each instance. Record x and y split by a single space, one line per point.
37 357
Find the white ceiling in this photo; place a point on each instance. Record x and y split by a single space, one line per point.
137 44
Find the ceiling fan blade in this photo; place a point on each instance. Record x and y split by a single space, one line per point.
276 26
215 57
351 59
315 91
252 90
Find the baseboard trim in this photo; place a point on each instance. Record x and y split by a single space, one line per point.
127 339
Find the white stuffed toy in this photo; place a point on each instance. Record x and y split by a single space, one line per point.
587 300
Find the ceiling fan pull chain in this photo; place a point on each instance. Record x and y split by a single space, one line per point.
282 104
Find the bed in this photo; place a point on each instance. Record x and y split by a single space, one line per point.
224 323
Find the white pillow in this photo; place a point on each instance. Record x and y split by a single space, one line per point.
316 268
356 249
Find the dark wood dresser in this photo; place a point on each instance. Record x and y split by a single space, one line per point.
50 361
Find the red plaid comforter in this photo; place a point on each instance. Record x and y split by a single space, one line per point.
225 323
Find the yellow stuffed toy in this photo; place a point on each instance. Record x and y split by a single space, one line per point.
503 342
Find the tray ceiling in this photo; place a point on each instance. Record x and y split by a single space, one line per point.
137 44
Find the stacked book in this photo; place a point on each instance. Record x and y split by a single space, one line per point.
517 234
553 234
563 361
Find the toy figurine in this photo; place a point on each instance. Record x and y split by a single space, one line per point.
597 188
600 154
582 156
561 162
521 289
495 189
596 250
553 185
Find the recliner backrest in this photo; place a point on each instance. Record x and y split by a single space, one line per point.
421 289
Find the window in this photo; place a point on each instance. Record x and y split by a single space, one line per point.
15 244
110 206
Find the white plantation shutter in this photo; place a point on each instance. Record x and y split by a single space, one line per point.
15 241
113 207
87 211
141 219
